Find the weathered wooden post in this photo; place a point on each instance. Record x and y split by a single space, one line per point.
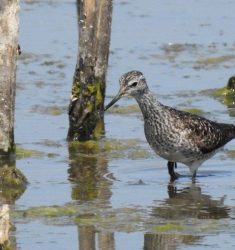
9 25
12 181
88 91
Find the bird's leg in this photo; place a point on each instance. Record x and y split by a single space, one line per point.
194 176
171 165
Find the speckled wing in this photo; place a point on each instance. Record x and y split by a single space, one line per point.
206 134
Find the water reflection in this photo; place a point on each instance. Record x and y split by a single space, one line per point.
90 188
12 186
167 241
183 204
87 171
190 202
87 239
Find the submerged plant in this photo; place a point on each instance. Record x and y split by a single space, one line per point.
227 93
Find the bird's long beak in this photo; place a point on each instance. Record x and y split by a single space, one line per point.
116 98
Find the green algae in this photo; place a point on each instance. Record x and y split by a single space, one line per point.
12 183
123 219
50 143
6 246
95 219
53 110
129 148
22 153
84 145
195 111
168 227
11 176
90 98
91 89
111 148
221 92
47 211
99 96
230 153
225 95
119 145
27 153
139 154
124 110
214 60
131 109
76 90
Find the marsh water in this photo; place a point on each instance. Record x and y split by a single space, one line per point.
115 194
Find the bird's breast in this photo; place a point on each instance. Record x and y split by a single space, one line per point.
168 141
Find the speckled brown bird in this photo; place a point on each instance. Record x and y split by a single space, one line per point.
174 135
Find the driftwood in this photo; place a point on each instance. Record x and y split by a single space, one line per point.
88 91
9 24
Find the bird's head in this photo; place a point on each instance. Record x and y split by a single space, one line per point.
132 83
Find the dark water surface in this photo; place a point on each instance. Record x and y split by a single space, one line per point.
116 195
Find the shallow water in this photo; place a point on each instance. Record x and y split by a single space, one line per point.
120 199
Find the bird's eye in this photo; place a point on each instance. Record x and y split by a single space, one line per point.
133 84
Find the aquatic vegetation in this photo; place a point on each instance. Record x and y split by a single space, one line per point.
124 219
230 153
124 110
27 153
11 176
138 154
212 61
12 183
111 148
48 211
91 219
168 227
50 143
227 93
22 153
195 111
53 110
58 64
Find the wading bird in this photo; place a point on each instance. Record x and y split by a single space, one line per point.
174 135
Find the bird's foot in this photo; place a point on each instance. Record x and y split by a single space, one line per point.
174 176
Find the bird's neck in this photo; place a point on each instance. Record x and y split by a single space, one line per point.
148 104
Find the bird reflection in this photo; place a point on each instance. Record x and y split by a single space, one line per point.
190 202
183 204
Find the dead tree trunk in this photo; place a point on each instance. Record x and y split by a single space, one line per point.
88 91
9 24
